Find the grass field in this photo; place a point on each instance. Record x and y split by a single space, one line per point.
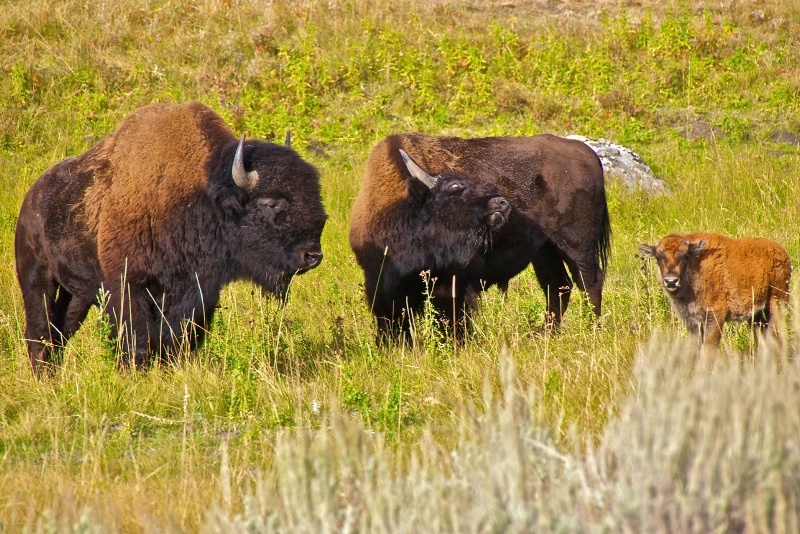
289 418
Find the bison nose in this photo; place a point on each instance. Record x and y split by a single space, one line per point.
499 209
311 259
671 283
499 204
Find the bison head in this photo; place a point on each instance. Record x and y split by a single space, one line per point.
274 212
450 202
672 254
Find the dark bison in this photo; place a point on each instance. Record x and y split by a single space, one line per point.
711 279
458 223
161 214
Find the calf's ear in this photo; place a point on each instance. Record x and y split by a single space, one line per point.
697 246
648 251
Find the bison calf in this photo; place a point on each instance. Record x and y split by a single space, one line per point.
161 214
710 279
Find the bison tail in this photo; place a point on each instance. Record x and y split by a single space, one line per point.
604 243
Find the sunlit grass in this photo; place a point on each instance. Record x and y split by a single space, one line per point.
289 417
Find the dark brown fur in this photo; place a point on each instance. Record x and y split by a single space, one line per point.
559 217
154 206
710 279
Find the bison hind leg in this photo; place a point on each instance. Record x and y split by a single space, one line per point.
554 280
771 321
46 309
589 278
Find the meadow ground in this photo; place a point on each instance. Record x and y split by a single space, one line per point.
290 418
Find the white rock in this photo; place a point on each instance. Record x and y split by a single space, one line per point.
623 164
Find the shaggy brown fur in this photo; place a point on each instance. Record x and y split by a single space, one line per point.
711 279
559 214
153 208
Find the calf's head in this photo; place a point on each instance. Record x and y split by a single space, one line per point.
672 254
453 203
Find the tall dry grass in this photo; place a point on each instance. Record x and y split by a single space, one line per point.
694 448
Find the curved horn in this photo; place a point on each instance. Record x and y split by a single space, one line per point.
288 141
416 172
245 180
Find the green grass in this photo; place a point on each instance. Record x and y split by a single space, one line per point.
289 414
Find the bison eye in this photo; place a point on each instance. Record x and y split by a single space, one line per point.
455 186
276 204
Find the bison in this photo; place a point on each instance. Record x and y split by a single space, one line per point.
161 214
711 279
474 213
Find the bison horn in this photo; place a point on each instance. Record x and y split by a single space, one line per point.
288 141
416 172
245 180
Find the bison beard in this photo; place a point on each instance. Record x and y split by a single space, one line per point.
559 225
161 214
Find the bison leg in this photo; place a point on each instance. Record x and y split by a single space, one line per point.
393 321
772 319
46 304
75 315
589 278
554 280
183 316
712 331
133 323
52 314
391 301
454 307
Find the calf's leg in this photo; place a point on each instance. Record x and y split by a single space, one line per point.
712 330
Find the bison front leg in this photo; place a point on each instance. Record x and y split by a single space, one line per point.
453 302
712 330
133 323
185 313
391 300
393 321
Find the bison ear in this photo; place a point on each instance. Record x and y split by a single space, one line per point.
648 251
697 246
417 190
245 180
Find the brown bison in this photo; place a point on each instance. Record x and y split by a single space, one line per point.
161 214
710 279
479 210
